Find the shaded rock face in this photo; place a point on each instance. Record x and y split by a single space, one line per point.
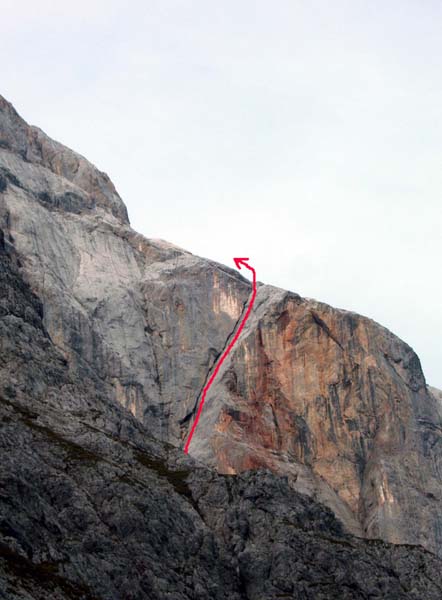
90 188
327 398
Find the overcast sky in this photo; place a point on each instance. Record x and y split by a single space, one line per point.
304 134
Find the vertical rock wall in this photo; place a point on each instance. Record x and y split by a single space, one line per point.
329 398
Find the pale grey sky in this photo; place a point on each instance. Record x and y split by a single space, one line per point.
304 134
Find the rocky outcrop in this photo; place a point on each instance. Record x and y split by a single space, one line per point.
341 404
92 508
437 394
147 317
90 190
327 398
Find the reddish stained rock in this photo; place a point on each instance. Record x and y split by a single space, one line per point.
339 394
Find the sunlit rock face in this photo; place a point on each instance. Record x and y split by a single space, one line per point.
341 404
329 398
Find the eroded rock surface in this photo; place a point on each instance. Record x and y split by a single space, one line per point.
92 508
327 398
330 390
147 317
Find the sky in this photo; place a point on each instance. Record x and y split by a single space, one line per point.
306 135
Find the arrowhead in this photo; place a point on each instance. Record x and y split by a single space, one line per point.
240 261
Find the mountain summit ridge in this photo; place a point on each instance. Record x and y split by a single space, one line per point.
93 187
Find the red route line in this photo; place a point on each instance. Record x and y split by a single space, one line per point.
238 262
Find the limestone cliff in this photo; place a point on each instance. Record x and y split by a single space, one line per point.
329 398
341 404
92 508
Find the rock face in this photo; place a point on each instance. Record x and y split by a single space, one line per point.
334 392
125 305
327 398
91 508
90 189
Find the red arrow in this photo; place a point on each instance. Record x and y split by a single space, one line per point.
239 262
